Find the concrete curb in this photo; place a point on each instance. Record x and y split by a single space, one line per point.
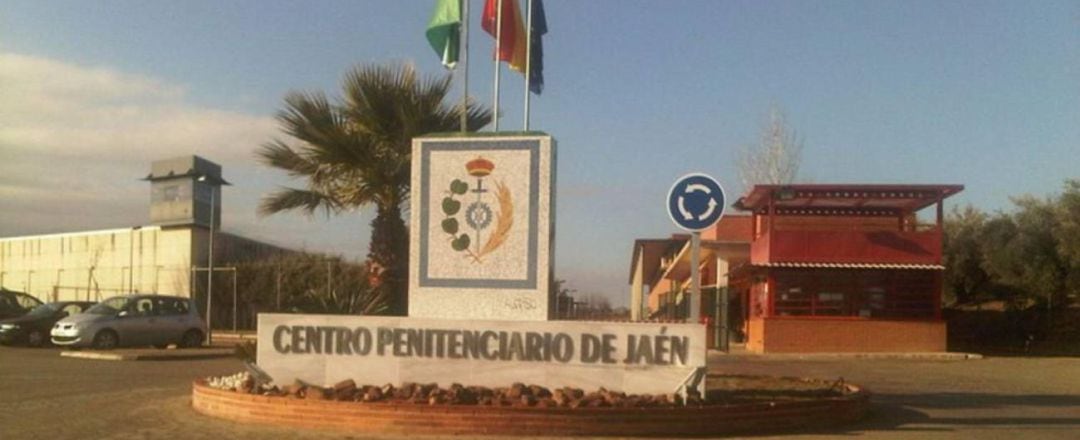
157 355
930 356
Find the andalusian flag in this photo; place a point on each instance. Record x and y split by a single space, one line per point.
444 31
511 37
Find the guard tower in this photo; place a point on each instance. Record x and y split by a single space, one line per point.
185 191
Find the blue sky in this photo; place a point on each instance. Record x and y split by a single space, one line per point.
982 93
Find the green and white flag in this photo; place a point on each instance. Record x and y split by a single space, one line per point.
444 31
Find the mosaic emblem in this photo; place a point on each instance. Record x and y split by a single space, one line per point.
478 214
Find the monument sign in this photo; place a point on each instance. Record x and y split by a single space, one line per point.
631 357
480 261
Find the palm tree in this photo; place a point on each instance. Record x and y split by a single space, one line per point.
356 152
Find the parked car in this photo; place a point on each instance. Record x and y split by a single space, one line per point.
133 321
14 303
33 328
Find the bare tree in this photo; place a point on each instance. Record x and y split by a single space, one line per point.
775 158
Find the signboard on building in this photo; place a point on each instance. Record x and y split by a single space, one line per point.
629 357
481 227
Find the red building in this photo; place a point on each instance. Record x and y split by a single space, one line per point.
817 268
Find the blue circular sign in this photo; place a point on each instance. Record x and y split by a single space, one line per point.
696 201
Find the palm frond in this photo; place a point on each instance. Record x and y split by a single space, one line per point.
279 155
288 199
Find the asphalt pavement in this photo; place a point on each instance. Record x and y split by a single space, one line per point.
46 396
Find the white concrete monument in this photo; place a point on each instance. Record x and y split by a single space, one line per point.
629 357
482 226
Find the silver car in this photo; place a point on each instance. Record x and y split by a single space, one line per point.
132 321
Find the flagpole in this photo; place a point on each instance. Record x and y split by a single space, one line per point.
528 57
498 39
465 66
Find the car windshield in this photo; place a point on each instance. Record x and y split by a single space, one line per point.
110 306
44 310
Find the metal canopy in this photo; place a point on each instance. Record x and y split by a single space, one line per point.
728 250
844 199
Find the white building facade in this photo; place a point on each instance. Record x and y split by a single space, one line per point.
167 257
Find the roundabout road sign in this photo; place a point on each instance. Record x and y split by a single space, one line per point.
696 202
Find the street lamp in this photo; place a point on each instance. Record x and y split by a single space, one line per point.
131 259
214 182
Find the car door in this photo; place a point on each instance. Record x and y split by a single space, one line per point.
173 319
8 308
137 326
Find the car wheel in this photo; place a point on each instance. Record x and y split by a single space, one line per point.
191 339
35 338
106 340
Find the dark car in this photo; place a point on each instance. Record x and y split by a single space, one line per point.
14 303
33 328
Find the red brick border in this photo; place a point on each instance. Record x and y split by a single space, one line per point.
473 420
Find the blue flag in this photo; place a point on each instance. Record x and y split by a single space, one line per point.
536 47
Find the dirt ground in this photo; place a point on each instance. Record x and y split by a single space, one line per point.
45 396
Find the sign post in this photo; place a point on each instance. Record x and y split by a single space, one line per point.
695 203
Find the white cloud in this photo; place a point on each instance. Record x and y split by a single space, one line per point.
100 114
75 139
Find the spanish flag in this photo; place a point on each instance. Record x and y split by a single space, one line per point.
512 37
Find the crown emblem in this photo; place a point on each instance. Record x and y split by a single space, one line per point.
479 167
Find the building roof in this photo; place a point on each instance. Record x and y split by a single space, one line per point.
185 167
844 198
800 265
651 250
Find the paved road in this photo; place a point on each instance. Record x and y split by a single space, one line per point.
991 398
45 396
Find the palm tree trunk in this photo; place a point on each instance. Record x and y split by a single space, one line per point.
389 249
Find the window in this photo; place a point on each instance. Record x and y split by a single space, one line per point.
793 301
830 304
165 193
72 309
110 306
143 307
27 302
203 192
169 306
905 294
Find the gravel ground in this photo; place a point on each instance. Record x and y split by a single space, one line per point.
43 395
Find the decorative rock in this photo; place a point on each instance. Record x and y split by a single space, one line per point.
517 395
316 393
516 391
527 400
344 390
574 393
539 391
560 398
373 394
294 390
